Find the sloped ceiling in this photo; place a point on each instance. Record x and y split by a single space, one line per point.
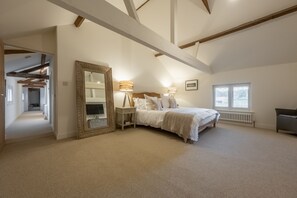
273 42
270 43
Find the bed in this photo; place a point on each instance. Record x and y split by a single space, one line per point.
185 122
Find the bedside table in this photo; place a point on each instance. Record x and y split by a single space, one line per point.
126 116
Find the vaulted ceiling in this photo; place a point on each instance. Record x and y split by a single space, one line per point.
270 43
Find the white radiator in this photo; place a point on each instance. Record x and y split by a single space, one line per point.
236 116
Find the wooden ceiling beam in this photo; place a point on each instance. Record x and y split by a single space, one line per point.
240 27
33 86
26 75
205 2
16 51
33 83
24 81
35 68
37 84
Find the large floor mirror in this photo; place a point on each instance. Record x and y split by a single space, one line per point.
94 99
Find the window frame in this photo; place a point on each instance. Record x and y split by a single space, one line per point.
230 96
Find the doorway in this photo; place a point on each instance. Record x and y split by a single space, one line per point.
34 99
28 106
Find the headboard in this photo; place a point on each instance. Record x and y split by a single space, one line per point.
141 95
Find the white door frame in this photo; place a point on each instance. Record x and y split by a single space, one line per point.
2 97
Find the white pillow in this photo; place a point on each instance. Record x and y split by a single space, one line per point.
139 103
165 102
152 103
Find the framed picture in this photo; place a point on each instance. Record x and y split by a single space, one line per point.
191 85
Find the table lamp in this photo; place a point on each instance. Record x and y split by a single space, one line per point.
126 86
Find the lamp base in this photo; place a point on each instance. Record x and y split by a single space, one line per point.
127 96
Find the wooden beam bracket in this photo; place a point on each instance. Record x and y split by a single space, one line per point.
79 20
205 2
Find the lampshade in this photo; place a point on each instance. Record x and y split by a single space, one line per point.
126 85
171 90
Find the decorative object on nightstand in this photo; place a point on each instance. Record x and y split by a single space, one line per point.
125 116
126 86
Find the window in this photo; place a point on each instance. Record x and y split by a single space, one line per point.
232 96
9 94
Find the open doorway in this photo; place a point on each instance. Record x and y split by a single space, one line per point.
28 94
34 99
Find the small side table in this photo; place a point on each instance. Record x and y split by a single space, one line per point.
129 113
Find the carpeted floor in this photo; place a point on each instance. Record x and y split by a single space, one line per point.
227 161
30 124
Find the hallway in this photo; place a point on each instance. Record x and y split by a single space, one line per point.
29 125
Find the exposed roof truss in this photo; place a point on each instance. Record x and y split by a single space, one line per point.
106 15
241 27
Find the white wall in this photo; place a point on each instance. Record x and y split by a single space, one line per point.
95 44
26 101
43 41
15 108
271 87
42 98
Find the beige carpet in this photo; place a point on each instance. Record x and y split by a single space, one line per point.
30 124
228 161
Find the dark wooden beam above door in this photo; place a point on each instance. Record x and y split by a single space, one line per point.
33 86
37 84
24 81
31 82
16 51
240 27
205 2
26 75
35 68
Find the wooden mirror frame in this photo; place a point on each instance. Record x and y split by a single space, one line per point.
84 131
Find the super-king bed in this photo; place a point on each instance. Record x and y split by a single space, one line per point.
162 112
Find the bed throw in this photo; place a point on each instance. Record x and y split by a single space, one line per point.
185 122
